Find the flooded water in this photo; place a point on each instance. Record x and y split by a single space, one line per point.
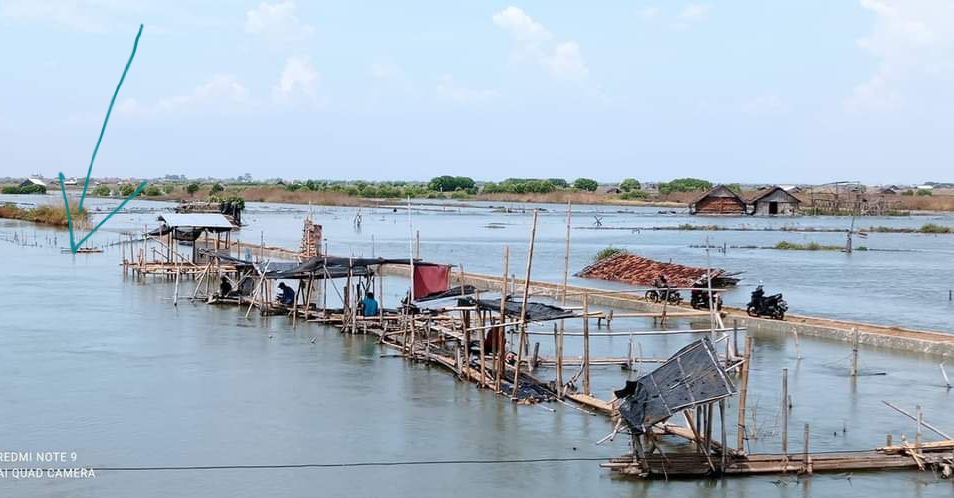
108 368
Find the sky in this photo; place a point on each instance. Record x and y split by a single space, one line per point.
806 91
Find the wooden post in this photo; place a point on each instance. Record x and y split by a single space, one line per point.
743 391
854 354
806 456
947 381
722 440
481 345
735 337
558 336
417 245
785 413
523 306
917 433
586 343
499 336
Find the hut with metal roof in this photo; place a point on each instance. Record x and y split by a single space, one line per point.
719 200
775 201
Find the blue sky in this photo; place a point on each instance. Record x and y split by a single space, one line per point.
751 91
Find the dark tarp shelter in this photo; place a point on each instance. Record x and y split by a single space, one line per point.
691 377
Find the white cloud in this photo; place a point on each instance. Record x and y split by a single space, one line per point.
691 15
298 78
71 14
449 89
277 23
693 12
221 92
649 13
385 71
764 105
533 43
911 39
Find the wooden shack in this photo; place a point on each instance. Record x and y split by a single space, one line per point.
775 202
719 200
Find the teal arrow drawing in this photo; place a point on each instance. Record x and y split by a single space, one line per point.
69 218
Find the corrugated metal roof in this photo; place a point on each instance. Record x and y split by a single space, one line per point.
195 220
630 268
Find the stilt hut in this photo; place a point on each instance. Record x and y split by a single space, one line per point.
775 201
719 200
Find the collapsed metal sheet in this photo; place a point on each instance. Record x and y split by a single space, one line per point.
693 376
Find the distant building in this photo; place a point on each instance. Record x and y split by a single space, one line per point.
719 200
774 202
33 181
890 190
924 187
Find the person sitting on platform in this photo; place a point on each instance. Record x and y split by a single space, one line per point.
287 296
225 288
369 307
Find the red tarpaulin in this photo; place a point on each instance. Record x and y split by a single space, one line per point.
430 279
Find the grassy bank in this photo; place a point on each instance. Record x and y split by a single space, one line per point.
45 214
811 246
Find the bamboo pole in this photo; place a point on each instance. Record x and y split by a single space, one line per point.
586 344
558 337
499 335
523 306
913 417
785 413
722 440
743 391
806 456
854 354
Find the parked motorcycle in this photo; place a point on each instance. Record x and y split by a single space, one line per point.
699 299
660 294
771 306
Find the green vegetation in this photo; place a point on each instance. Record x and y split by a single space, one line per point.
193 187
633 195
908 192
519 186
126 189
585 184
689 226
151 191
684 185
102 191
811 246
735 187
216 188
934 228
629 185
452 183
45 214
607 252
26 189
235 200
922 191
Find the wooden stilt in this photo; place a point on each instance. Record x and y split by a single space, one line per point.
523 306
499 335
743 390
586 344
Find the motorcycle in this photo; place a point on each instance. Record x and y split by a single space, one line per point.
699 299
771 306
660 294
